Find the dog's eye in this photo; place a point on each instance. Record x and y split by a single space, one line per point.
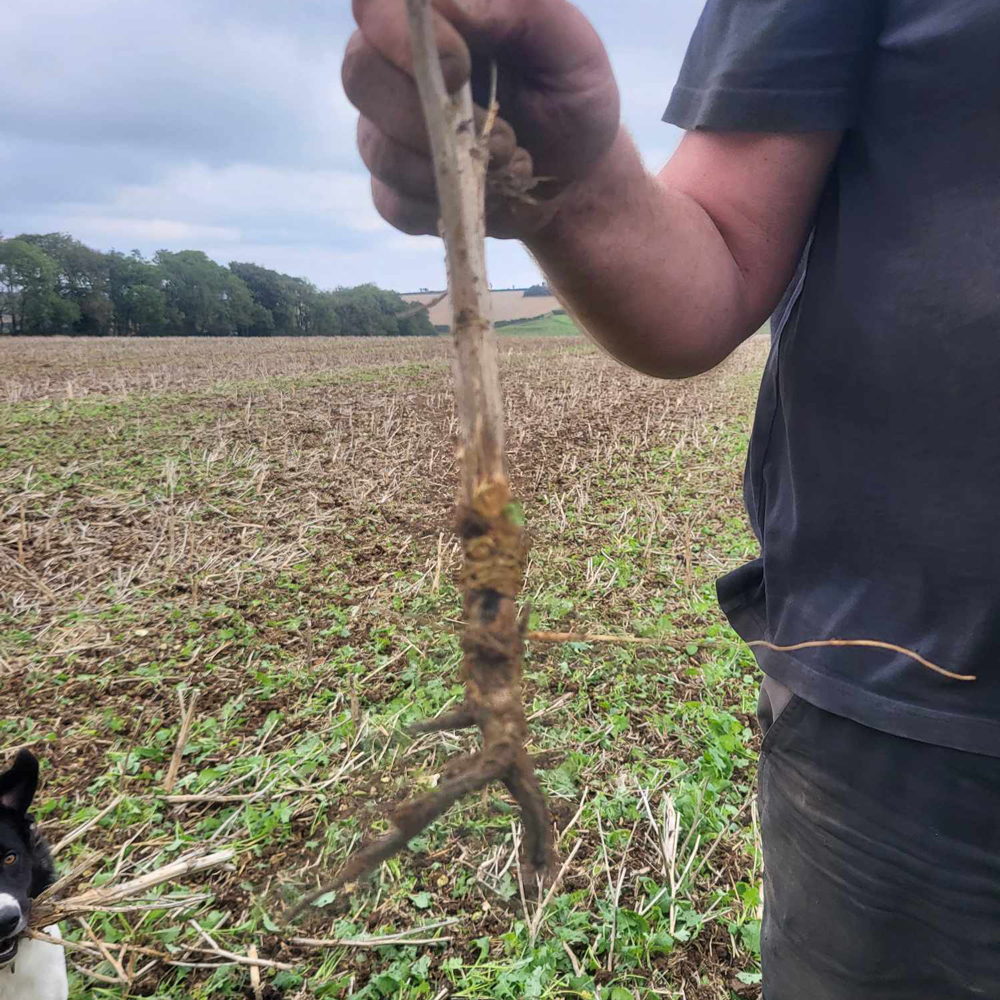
9 859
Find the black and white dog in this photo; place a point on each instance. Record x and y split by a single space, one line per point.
29 969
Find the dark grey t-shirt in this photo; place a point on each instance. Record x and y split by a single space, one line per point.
873 479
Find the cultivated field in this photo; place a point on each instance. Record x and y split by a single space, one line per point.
266 523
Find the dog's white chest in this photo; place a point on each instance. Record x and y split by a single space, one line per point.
40 972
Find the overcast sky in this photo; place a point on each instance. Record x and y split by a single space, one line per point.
220 125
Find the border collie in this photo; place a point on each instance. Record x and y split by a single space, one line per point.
29 969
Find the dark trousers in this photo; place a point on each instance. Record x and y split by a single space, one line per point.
881 862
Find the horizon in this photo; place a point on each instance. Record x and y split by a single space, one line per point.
541 280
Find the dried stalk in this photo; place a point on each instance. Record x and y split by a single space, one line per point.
121 897
422 307
256 985
305 942
415 935
187 719
637 640
75 835
494 545
95 946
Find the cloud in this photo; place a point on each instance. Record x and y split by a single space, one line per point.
223 127
259 198
162 231
178 80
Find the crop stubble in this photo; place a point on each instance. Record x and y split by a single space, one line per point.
305 487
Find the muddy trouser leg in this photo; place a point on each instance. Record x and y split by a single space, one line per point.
881 862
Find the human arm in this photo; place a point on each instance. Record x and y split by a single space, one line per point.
669 273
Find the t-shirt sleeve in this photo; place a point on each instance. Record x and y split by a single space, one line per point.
776 65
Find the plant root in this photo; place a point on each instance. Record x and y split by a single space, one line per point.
870 644
495 552
450 723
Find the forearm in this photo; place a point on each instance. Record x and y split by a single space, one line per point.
645 270
670 273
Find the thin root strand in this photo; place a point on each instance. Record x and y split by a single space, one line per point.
450 722
871 644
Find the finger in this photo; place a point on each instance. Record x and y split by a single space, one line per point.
388 98
552 36
410 215
408 172
384 95
385 27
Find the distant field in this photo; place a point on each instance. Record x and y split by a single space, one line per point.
506 305
268 522
548 326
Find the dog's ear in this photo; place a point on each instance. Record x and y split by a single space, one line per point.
18 783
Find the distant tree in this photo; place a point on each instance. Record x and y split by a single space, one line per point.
29 301
370 311
362 312
277 299
262 323
322 315
308 313
134 288
202 297
415 324
81 278
537 290
52 283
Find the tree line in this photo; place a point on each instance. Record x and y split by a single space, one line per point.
53 284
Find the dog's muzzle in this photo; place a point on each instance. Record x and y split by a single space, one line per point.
8 950
13 921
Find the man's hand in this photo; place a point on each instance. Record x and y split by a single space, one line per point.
669 273
559 108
